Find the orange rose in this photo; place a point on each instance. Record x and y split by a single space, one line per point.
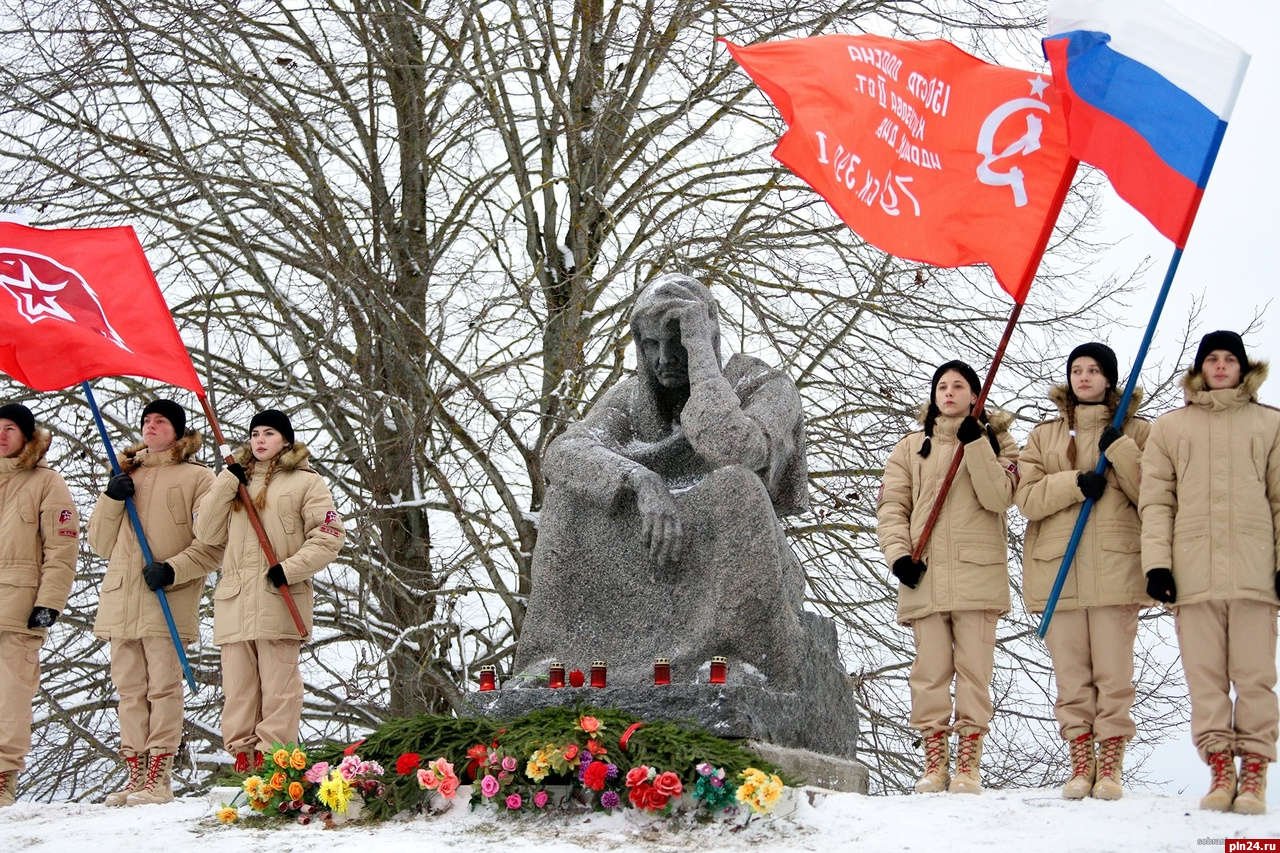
295 790
590 725
281 758
298 760
278 780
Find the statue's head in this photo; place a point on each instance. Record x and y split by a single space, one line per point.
661 356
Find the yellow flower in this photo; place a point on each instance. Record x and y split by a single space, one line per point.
281 758
298 760
252 784
228 814
536 770
335 792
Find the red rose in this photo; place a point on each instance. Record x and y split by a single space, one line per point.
577 679
408 763
637 775
595 747
640 794
668 784
653 801
595 775
479 752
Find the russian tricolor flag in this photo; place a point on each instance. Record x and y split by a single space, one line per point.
1147 95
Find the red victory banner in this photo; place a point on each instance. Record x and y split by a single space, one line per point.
77 304
925 151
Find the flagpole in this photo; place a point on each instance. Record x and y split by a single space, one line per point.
1028 275
252 511
1118 423
142 539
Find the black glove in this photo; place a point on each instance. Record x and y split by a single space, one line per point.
275 574
120 487
909 571
1160 586
157 575
1092 484
970 430
1108 438
42 617
238 470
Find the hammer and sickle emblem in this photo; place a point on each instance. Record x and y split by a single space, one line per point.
1029 143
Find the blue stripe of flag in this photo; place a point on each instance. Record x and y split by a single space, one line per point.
1180 129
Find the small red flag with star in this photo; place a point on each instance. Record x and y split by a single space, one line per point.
80 303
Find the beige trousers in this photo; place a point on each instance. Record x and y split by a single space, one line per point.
262 689
19 678
1092 653
148 678
1225 645
959 645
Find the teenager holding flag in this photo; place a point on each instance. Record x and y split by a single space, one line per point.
39 538
1092 636
1210 507
167 483
953 596
261 678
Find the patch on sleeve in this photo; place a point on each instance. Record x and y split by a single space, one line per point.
65 516
1012 468
69 532
332 531
331 516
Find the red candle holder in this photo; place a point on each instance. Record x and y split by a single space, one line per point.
599 672
555 676
719 669
488 678
662 671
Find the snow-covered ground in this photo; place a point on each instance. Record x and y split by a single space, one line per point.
995 821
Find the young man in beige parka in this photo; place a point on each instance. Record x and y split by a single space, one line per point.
1210 505
39 542
1095 621
166 483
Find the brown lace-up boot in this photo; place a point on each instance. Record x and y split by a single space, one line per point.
132 763
1083 767
155 788
1110 769
1251 796
936 776
1222 785
8 788
968 779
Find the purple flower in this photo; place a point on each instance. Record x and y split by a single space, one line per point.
514 802
509 764
611 772
540 799
717 782
609 800
489 786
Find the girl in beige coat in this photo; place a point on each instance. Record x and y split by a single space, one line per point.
39 538
953 596
1095 620
167 484
261 678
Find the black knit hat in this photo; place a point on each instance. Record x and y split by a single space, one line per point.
970 375
1100 353
171 412
275 419
21 416
1228 341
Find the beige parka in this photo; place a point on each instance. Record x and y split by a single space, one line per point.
967 554
304 529
168 487
39 536
1107 569
1210 499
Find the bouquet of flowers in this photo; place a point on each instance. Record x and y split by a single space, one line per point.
759 790
283 784
712 788
352 778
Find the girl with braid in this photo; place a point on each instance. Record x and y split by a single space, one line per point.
261 678
952 597
1095 621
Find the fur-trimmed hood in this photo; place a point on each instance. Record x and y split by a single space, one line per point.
1193 381
32 454
1058 396
184 450
999 420
293 459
